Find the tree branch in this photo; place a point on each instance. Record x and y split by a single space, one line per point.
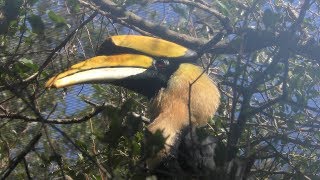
14 162
224 21
59 47
119 14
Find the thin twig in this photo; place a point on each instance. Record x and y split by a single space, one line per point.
59 47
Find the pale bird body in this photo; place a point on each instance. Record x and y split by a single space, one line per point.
171 109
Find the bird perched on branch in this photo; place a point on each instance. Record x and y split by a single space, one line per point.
181 93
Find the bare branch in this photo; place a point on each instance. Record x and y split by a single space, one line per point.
225 22
59 47
14 162
120 15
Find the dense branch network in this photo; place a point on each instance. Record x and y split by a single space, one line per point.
258 94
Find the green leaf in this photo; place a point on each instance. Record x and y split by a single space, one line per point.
223 8
57 19
74 5
29 64
36 23
26 61
155 143
82 144
25 66
136 150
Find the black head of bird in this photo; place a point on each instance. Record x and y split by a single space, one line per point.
163 71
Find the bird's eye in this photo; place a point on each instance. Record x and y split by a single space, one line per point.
161 64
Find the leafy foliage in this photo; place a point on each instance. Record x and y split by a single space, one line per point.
267 68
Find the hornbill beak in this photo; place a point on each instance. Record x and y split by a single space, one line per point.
149 46
139 63
102 69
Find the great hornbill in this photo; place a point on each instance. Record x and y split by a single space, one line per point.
165 72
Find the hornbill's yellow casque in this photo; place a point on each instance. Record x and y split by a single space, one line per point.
158 69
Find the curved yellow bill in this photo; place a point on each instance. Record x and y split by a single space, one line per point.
152 46
102 69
